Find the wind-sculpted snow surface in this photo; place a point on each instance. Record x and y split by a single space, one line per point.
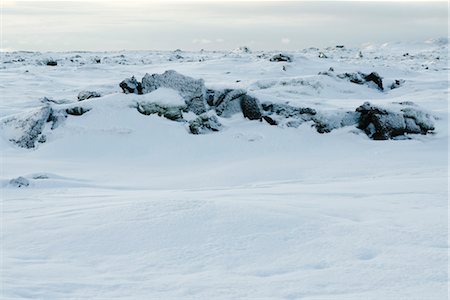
230 176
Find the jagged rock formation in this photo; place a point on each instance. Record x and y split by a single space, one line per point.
382 124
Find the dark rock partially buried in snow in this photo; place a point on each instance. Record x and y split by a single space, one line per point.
397 83
131 86
77 110
281 57
51 63
204 124
382 124
84 95
19 182
362 78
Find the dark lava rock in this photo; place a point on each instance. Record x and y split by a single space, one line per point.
131 86
381 124
204 124
77 110
397 83
375 78
51 63
251 108
281 57
19 182
83 95
270 120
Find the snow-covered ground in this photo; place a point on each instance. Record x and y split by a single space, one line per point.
121 205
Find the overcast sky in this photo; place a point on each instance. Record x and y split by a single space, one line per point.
214 25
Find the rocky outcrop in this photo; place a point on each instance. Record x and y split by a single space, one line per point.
204 124
84 95
383 124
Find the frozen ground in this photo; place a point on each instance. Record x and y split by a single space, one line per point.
126 206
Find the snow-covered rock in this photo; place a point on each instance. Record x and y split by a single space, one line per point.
25 129
84 95
204 123
131 86
192 90
382 124
19 182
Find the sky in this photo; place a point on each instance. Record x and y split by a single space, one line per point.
215 25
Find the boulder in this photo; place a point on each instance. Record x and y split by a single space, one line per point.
281 57
204 124
251 108
192 90
83 95
131 86
382 124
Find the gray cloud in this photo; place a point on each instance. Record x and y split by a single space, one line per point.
170 25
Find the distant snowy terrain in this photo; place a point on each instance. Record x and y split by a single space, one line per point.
237 175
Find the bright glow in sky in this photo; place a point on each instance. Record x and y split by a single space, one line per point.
214 25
